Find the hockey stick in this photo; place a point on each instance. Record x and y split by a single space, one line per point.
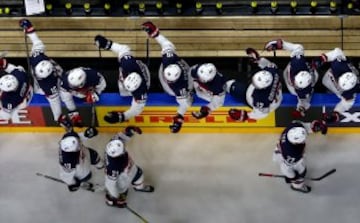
93 115
27 54
147 52
94 188
311 178
135 213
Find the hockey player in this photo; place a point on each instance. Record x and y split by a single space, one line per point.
16 89
263 95
341 79
209 85
121 171
134 79
75 159
174 75
47 74
299 78
82 82
290 150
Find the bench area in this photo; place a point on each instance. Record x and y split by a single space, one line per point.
193 36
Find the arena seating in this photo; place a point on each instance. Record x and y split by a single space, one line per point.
193 36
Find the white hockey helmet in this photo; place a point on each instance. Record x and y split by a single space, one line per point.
8 82
44 69
262 79
132 81
70 144
76 77
206 72
302 79
347 81
115 148
297 135
172 72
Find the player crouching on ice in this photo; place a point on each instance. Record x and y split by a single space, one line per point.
121 171
290 150
75 159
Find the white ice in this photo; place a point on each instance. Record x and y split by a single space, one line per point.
198 178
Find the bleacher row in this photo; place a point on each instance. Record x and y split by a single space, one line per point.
73 37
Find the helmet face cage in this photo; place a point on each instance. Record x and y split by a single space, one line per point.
347 81
70 144
172 72
297 135
44 69
115 148
262 79
76 78
132 82
302 79
206 72
8 83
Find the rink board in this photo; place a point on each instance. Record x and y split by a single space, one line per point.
160 109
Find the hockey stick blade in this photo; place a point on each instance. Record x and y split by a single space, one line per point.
324 175
312 178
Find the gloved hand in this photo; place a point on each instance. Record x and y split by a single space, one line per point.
318 61
116 202
74 187
253 55
332 117
114 117
150 29
3 63
76 119
177 123
91 132
319 126
274 45
103 43
238 114
298 113
204 111
65 122
26 25
92 97
130 130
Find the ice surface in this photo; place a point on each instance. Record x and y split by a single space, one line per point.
198 178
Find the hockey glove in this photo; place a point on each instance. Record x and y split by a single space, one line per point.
238 114
3 63
204 111
91 132
74 187
103 43
92 97
114 117
298 113
319 126
253 55
151 29
65 122
116 202
177 123
319 61
130 130
26 25
332 117
76 119
274 45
